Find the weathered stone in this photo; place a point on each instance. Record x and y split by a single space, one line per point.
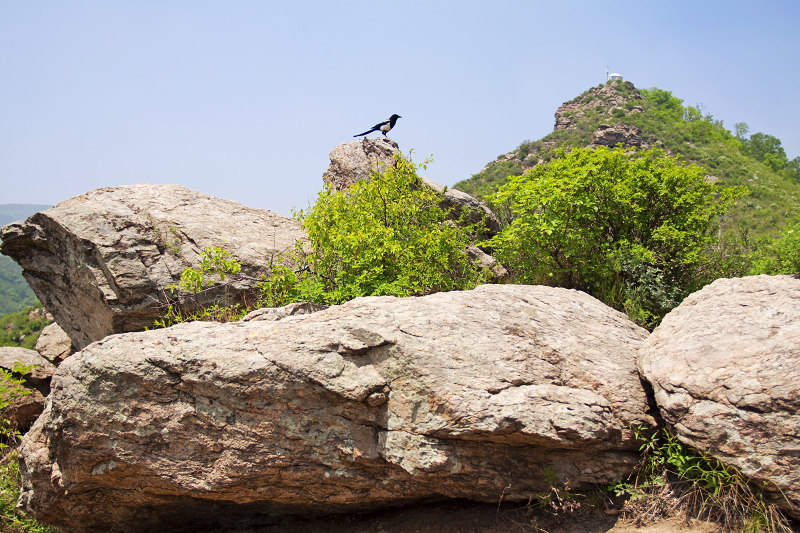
41 373
54 344
725 368
23 408
278 313
484 260
100 262
607 96
353 161
27 402
498 392
619 133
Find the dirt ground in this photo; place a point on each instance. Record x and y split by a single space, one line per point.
470 517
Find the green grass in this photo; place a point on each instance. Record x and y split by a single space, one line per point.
13 520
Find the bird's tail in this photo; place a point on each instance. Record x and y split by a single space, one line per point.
365 133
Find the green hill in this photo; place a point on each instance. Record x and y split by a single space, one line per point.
15 294
618 112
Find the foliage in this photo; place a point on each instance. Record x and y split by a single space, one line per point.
15 294
781 256
11 519
22 328
697 137
631 230
215 267
387 235
672 477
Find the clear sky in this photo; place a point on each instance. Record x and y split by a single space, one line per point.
245 99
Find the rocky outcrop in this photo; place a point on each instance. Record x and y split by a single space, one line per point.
607 97
499 392
27 402
725 368
100 262
353 161
54 344
619 133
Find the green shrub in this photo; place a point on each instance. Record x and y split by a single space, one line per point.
673 478
781 256
387 235
12 520
630 229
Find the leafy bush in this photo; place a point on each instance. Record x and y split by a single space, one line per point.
781 256
632 230
387 235
11 519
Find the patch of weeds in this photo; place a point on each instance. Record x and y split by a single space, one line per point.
13 520
675 480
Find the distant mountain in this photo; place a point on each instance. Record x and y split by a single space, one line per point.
14 212
15 294
617 112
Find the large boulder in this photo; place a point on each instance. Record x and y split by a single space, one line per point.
725 368
501 392
101 262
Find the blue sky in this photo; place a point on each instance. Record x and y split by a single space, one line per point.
245 99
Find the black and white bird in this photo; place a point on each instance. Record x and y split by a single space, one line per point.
383 127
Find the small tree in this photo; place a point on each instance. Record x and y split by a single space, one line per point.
630 229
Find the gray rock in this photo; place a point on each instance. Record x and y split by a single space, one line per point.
619 133
28 401
499 392
353 161
39 376
725 368
100 262
279 313
54 344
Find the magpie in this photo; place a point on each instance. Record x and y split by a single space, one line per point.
383 127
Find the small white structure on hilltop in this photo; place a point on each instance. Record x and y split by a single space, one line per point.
614 76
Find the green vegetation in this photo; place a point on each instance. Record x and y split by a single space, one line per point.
630 229
385 236
15 294
12 520
23 327
758 162
675 478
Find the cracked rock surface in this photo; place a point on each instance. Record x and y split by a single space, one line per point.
725 368
101 261
502 390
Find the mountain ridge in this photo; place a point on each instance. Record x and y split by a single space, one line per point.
618 113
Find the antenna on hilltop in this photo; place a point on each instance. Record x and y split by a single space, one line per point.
606 72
